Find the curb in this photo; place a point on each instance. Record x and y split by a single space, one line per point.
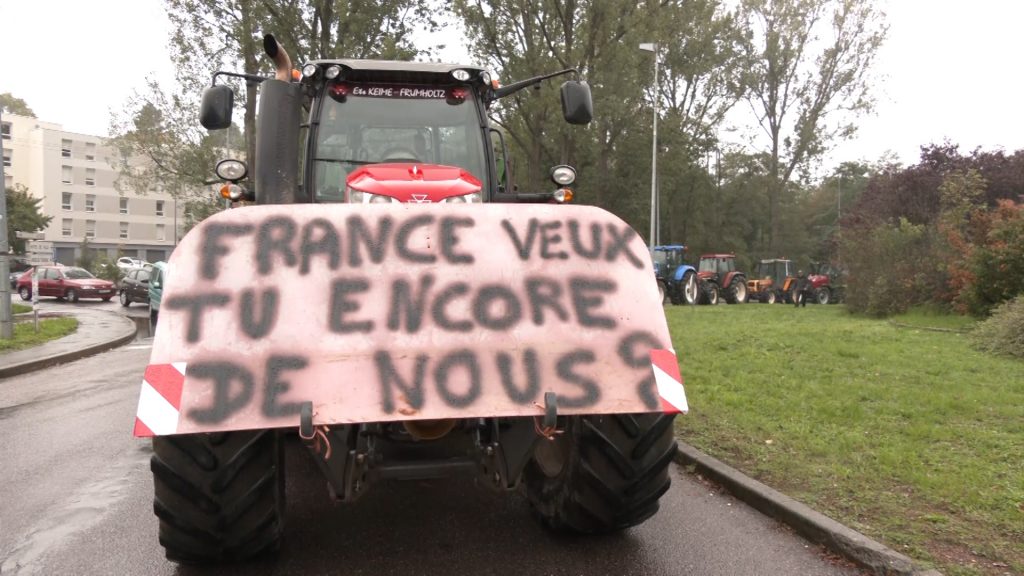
814 526
54 359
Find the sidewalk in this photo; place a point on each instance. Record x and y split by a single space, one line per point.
98 331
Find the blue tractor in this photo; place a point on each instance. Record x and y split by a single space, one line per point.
677 280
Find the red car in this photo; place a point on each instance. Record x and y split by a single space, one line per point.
66 282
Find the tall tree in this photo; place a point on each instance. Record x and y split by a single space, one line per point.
23 215
808 76
522 38
14 105
157 132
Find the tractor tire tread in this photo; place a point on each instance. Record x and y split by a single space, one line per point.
613 478
218 498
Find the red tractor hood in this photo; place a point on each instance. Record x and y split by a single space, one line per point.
416 183
818 280
705 275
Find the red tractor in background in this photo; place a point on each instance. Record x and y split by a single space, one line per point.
719 277
826 284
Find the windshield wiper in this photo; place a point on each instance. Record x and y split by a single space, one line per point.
345 161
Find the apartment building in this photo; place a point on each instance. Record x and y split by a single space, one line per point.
73 174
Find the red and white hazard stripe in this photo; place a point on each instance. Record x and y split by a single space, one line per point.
160 400
669 381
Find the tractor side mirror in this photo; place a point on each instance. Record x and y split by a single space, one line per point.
577 105
215 108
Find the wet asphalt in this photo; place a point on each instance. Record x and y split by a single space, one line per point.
76 499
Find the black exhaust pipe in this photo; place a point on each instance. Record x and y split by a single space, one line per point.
277 132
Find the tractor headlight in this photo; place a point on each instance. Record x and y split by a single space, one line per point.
473 198
231 170
563 175
359 197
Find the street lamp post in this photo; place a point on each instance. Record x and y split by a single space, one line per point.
653 47
6 321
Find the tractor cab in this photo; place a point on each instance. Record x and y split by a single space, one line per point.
716 264
773 280
385 132
668 258
775 271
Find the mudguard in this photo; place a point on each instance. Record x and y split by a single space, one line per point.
681 272
406 311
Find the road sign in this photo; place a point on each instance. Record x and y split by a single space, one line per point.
40 259
29 235
37 246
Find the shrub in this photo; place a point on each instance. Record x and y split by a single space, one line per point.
998 264
1003 333
891 268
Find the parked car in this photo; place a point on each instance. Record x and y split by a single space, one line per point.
66 282
157 278
134 286
18 266
126 263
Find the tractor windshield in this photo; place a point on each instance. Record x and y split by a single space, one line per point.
707 265
376 123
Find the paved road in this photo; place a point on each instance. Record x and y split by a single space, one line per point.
75 498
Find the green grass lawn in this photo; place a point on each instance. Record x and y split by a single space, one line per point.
907 435
25 335
19 308
931 319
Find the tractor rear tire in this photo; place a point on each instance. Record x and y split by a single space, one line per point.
823 295
604 473
219 497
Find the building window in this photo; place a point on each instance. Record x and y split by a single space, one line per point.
159 207
124 205
65 200
90 177
5 130
90 203
65 174
160 234
90 228
124 231
65 227
65 148
90 151
7 157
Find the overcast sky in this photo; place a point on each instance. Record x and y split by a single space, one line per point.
950 69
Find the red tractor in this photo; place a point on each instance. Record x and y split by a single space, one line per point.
393 298
719 277
825 283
